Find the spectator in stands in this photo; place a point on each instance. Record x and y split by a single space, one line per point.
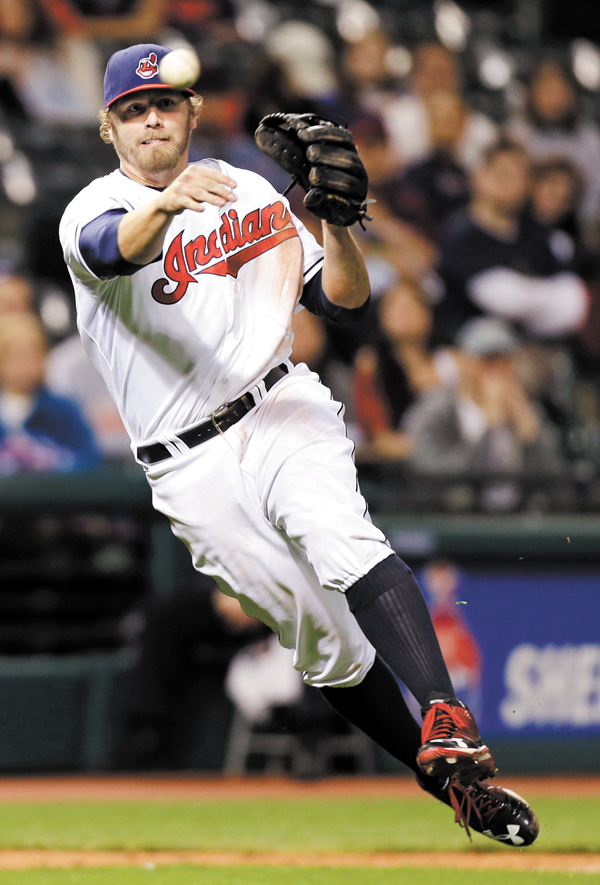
39 431
486 425
552 123
495 260
396 370
436 186
367 80
555 200
556 188
434 67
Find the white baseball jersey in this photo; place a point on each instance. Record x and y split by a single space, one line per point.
185 334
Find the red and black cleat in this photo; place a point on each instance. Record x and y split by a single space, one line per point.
451 743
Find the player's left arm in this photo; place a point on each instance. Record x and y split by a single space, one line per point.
345 279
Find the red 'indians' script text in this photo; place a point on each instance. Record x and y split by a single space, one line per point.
224 251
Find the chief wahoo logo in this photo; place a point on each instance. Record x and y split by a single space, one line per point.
148 67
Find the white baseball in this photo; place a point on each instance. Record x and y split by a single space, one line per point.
179 68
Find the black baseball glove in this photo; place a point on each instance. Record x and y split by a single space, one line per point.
321 156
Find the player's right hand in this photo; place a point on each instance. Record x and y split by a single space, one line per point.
196 186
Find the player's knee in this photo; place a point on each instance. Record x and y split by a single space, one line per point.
346 668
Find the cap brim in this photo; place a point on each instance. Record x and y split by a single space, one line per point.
146 87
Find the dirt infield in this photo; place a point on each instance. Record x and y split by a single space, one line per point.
519 860
163 788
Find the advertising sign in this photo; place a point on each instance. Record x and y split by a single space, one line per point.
522 644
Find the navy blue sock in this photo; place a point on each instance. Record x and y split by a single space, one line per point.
392 613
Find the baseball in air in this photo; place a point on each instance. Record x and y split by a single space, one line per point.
179 68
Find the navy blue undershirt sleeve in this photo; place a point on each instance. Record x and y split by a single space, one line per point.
315 300
99 246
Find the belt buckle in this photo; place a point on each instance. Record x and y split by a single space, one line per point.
219 413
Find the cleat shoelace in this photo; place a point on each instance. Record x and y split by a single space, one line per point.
465 805
443 726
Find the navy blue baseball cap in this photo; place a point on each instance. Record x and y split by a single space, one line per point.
133 69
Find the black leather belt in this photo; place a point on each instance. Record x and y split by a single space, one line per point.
222 418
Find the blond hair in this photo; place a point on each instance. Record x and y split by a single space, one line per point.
195 102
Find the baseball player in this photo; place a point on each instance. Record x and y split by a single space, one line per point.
186 280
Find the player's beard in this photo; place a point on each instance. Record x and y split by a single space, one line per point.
161 157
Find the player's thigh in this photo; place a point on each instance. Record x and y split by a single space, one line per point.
306 477
215 511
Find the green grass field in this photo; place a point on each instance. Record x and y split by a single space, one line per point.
360 825
284 825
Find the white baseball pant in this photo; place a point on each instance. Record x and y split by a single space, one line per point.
272 510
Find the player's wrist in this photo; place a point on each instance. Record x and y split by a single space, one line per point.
164 206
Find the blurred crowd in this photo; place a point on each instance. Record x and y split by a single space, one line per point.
478 126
